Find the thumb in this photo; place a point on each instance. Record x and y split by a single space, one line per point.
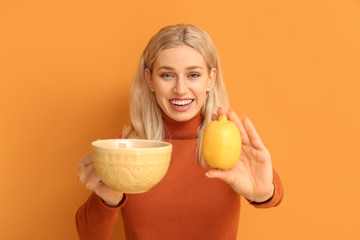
219 174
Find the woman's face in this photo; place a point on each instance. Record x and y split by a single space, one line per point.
180 80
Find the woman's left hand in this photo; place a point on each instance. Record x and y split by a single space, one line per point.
252 175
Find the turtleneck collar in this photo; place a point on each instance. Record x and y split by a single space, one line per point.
181 129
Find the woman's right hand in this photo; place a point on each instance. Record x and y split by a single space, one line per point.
89 177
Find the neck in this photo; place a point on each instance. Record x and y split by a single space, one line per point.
181 129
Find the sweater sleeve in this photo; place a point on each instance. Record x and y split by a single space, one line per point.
96 220
277 196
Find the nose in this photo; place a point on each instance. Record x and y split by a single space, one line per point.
180 87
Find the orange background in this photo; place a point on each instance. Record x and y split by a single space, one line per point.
293 67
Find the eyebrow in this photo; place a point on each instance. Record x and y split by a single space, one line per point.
187 68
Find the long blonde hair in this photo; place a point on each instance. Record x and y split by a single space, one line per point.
145 113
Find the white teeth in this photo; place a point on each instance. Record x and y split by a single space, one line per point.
181 102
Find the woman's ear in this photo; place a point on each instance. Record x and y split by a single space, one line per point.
211 81
148 79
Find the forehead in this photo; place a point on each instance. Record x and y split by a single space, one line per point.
179 57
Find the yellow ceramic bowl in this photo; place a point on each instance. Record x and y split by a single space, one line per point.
131 165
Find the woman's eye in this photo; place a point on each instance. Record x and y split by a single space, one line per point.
166 75
194 75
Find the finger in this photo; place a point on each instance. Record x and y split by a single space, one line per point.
85 174
219 174
93 182
214 117
232 116
85 161
252 133
221 111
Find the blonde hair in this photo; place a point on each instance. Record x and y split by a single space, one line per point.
145 113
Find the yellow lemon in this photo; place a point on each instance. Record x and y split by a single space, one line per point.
221 143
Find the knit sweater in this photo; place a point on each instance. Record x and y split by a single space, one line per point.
184 205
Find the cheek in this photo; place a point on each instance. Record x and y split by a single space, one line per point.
161 91
200 90
202 97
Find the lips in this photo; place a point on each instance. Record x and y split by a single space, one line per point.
181 102
180 105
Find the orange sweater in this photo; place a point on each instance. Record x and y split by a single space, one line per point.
184 205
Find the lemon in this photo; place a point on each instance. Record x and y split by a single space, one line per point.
221 143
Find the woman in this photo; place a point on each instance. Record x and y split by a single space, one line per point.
178 89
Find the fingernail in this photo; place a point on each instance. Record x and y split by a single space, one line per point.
244 116
208 175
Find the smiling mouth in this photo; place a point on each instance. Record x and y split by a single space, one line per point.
181 103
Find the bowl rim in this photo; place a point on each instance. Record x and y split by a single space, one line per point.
119 140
